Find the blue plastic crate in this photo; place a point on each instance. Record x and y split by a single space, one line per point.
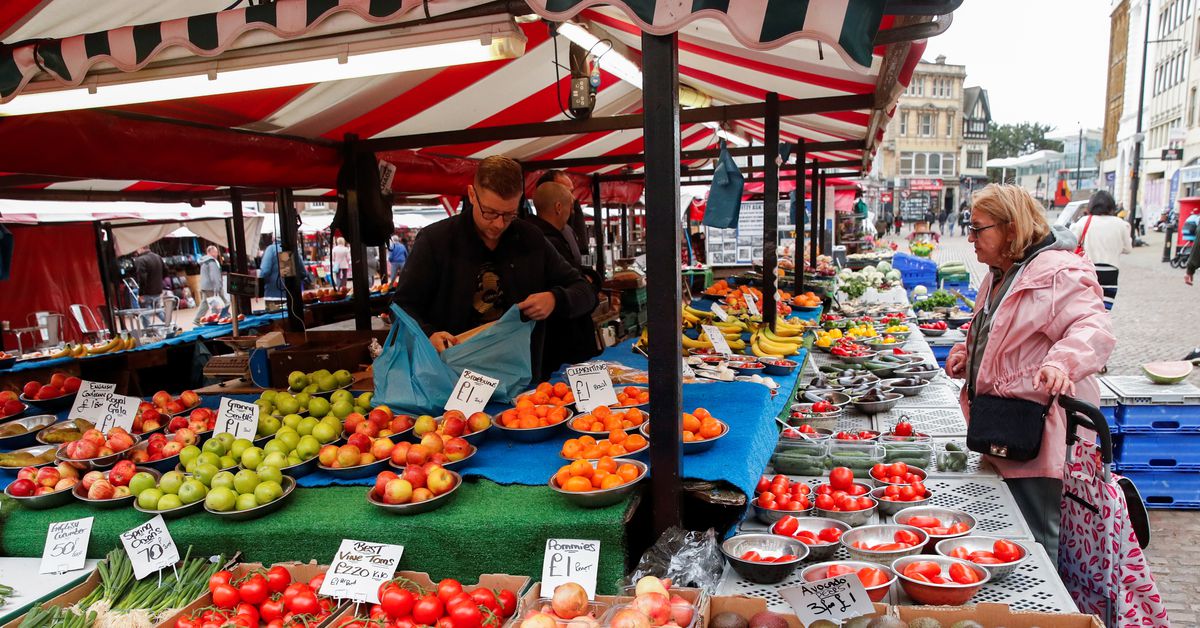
912 279
905 262
956 285
1110 413
1158 418
1167 489
1165 451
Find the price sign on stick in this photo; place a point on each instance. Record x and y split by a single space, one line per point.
116 411
66 545
359 568
471 393
90 397
717 339
570 560
239 418
591 386
832 599
150 547
719 312
752 304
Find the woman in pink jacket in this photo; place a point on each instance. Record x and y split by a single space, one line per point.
1040 329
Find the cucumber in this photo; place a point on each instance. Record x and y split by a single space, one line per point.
952 461
789 463
953 446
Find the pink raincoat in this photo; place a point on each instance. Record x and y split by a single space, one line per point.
1053 315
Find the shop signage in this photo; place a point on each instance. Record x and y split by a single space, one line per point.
570 560
359 568
925 185
66 545
717 339
885 197
239 418
832 599
150 547
1172 154
472 392
591 386
90 397
115 411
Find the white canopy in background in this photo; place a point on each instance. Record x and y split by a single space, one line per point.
130 238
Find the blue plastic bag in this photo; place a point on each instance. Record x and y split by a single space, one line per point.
725 195
411 377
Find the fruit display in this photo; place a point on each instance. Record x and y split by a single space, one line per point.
288 448
325 430
546 393
1167 372
415 484
325 295
148 419
1003 552
780 493
379 422
786 340
436 447
936 326
807 300
654 604
65 431
453 423
165 404
568 606
842 493
854 283
18 459
10 405
60 385
898 474
582 476
246 490
269 597
93 444
109 485
200 421
160 447
449 603
932 572
33 482
527 415
171 491
319 382
631 396
790 526
619 443
359 451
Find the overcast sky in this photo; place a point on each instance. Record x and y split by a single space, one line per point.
1040 60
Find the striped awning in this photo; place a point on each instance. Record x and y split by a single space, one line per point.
201 144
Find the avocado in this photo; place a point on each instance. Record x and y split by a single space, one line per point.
728 620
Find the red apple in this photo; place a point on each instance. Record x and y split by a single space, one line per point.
417 455
439 481
361 441
176 424
161 398
478 422
31 390
400 424
65 483
49 392
90 477
421 495
13 406
120 441
105 451
101 489
453 426
432 442
366 457
67 471
328 455
58 379
48 476
140 456
457 449
22 487
171 448
379 416
121 473
8 395
174 407
400 453
415 475
368 429
93 436
71 385
381 481
82 449
382 448
348 456
185 435
189 398
353 420
27 473
398 491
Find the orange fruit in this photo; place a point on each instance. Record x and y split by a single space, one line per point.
540 397
571 448
635 442
690 423
598 477
582 468
524 402
561 389
587 440
702 414
562 475
611 481
545 388
606 464
577 485
617 436
628 472
601 412
710 429
527 422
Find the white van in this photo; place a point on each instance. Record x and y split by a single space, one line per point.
1074 211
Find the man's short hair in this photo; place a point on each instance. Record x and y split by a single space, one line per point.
500 175
549 193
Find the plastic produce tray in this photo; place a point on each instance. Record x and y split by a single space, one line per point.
1157 418
1135 390
1175 490
1159 451
933 421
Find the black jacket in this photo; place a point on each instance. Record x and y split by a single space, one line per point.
439 284
569 339
148 267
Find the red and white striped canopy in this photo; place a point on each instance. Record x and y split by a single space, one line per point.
142 147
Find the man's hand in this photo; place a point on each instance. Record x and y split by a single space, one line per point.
443 340
1187 279
538 306
956 364
1054 381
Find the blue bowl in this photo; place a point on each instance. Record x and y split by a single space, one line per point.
748 368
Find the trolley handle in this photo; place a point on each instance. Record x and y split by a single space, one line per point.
1083 414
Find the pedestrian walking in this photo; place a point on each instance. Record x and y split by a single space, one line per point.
1192 264
897 223
339 259
397 256
943 215
1103 238
951 220
148 267
212 289
964 217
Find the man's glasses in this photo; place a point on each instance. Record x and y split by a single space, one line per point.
491 214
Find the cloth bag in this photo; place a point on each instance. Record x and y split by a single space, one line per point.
725 195
412 377
1099 556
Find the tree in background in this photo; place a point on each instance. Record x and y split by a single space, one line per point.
1014 140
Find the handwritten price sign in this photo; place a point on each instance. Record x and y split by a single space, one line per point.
571 560
472 392
117 411
832 599
150 547
359 568
90 398
239 418
591 385
66 545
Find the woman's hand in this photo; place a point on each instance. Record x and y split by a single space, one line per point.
443 340
956 364
1054 381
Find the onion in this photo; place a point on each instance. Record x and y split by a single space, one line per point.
569 601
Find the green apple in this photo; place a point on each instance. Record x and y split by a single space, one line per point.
306 426
209 457
222 479
311 388
205 473
364 400
215 446
169 502
267 473
290 421
275 446
303 399
226 439
289 439
267 492
307 447
267 394
192 491
342 409
327 383
245 501
142 481
318 407
148 498
227 462
188 454
252 457
341 395
245 481
287 405
221 499
325 433
343 377
239 447
293 459
319 373
276 459
264 406
170 482
297 380
268 425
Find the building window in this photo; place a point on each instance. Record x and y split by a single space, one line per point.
949 124
906 163
1191 107
935 163
926 129
919 163
974 159
903 122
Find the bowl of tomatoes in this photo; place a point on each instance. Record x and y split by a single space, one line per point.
897 474
939 523
778 497
530 423
940 580
999 557
876 579
764 558
820 534
894 498
844 499
883 543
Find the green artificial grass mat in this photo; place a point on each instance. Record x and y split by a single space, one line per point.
488 528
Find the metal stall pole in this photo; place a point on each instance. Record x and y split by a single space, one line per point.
814 215
107 279
240 261
624 230
358 252
825 246
660 98
293 284
598 220
798 246
770 209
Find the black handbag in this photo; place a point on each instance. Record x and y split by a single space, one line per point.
1007 428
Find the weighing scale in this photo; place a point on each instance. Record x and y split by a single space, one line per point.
237 364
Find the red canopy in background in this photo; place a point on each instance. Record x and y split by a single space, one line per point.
49 280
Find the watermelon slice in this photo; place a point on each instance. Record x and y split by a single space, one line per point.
1167 372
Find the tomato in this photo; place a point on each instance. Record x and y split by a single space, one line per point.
444 622
903 428
918 488
427 610
764 499
221 577
254 589
786 526
890 547
841 478
963 574
872 577
836 570
897 468
907 493
825 502
763 484
275 623
249 611
984 558
906 536
926 568
271 609
806 537
916 576
923 522
316 582
959 528
508 603
278 578
960 552
751 556
466 616
823 407
304 603
396 600
185 622
1006 551
225 596
830 535
403 622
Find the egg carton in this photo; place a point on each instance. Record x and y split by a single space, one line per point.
947 421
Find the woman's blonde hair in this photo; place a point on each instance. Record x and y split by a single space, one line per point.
1014 206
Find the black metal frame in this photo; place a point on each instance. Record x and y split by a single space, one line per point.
770 152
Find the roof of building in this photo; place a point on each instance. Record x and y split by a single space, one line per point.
973 96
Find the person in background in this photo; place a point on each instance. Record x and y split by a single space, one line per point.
1193 263
339 259
572 339
897 222
952 220
964 217
1040 330
372 253
148 268
1104 238
469 269
211 285
268 272
397 256
942 217
568 231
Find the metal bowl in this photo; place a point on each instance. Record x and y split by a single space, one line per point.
161 465
880 534
289 486
949 594
854 359
947 516
34 450
70 424
451 464
781 366
823 434
890 399
636 405
934 333
42 502
854 518
99 462
822 551
532 434
81 494
747 368
820 571
954 322
357 471
977 543
891 507
602 433
835 398
876 482
420 507
171 513
24 409
302 469
53 404
770 516
907 391
696 446
474 437
32 424
642 453
925 375
763 573
600 498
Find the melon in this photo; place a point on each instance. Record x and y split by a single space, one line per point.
1167 372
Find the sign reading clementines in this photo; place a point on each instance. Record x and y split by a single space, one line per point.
591 386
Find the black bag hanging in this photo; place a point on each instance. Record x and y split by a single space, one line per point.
374 209
1007 428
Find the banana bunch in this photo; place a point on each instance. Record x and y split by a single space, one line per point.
789 327
734 341
116 343
767 344
691 313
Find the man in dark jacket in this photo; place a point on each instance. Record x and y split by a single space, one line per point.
468 270
148 268
571 339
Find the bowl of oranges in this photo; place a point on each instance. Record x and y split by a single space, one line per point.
603 420
547 394
633 396
598 483
701 431
531 423
619 444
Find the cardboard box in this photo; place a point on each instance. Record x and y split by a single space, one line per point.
747 607
66 598
301 572
313 357
493 581
697 597
993 614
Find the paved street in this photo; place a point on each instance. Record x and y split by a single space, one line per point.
1156 317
